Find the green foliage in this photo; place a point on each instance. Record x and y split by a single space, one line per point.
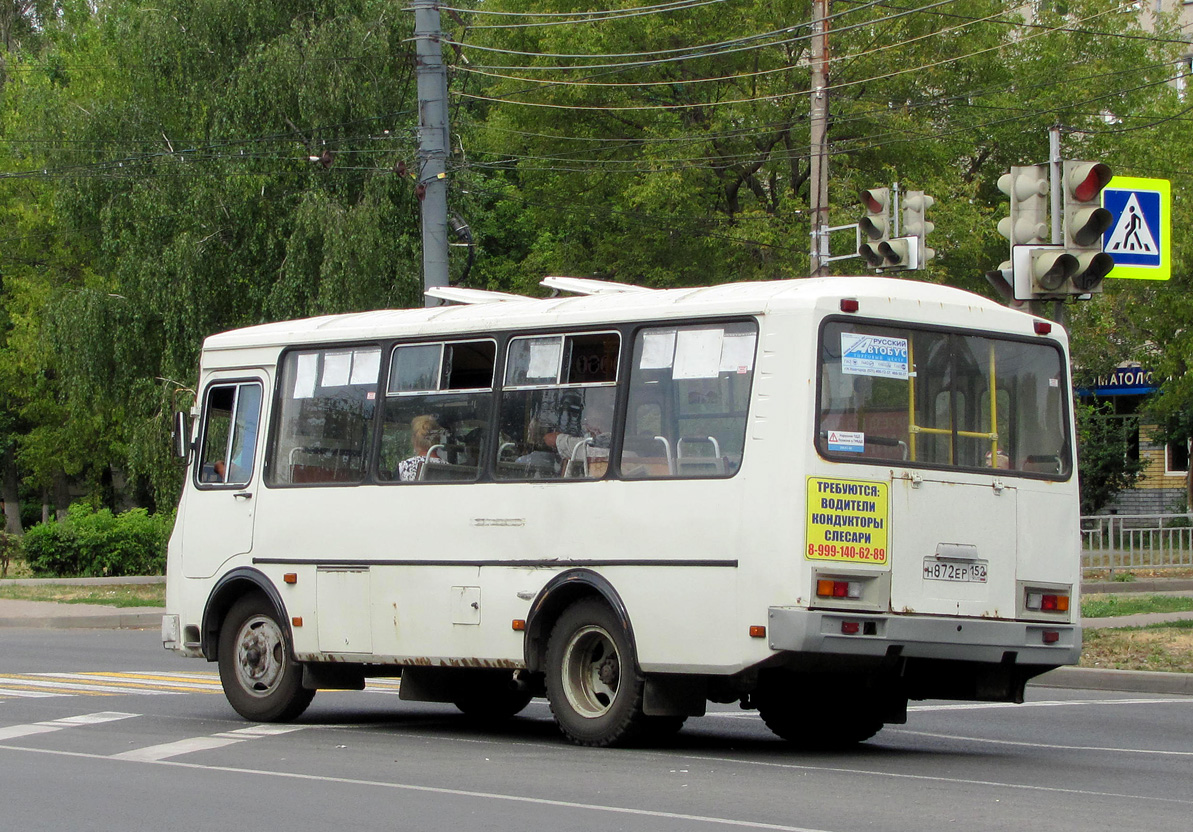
92 543
157 182
1104 466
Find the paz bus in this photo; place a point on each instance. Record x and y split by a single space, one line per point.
817 498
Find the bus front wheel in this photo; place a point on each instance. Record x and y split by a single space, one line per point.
260 679
593 684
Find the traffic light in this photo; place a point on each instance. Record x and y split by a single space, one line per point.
1042 271
1028 188
875 225
1085 221
900 253
916 224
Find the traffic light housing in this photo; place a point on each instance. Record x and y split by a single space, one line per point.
875 225
900 253
1085 221
916 224
1029 190
1042 271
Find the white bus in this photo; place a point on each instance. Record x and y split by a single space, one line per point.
818 498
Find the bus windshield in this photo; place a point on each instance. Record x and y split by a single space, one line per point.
937 399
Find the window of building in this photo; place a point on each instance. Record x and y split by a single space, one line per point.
1176 457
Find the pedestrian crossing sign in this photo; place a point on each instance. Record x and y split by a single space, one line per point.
1139 237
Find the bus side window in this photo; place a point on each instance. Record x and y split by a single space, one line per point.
689 396
231 416
437 404
557 406
323 432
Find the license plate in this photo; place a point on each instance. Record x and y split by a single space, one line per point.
961 571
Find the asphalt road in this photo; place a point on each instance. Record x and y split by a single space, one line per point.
103 730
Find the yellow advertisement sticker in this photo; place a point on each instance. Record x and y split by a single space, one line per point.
848 520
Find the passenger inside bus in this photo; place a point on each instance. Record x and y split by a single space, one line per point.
425 434
579 455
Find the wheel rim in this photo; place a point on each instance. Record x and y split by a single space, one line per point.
260 656
591 672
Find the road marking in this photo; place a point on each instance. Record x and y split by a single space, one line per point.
156 753
1051 746
166 750
13 731
38 685
434 790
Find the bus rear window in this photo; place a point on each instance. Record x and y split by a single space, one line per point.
941 399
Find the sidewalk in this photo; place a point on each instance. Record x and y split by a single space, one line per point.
45 615
52 616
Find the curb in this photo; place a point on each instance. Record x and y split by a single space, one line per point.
142 579
103 621
1138 586
1129 681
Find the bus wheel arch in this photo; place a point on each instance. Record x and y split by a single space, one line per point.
227 591
560 593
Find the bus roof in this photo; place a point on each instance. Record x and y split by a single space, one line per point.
877 296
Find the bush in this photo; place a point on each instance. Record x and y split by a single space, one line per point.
99 544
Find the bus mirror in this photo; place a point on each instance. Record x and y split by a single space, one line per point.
181 435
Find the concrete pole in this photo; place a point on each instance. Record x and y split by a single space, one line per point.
818 182
433 141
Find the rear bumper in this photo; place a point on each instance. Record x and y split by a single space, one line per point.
928 637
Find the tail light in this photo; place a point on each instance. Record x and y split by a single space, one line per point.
826 588
1047 602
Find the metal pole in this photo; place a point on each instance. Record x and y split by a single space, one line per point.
433 141
818 183
1055 171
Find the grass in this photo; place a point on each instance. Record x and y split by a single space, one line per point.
114 595
1166 647
1105 606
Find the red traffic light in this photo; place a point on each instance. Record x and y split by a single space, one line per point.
1086 181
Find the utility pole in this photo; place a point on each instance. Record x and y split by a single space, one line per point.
818 184
433 141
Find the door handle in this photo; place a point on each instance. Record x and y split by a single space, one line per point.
243 495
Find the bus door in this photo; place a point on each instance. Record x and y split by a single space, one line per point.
219 508
952 546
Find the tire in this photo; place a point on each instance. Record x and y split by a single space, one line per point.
810 727
593 684
492 700
260 678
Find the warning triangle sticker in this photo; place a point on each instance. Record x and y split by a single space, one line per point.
1131 234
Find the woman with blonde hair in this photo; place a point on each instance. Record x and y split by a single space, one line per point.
425 433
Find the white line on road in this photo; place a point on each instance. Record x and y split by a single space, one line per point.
1050 746
156 753
411 787
13 731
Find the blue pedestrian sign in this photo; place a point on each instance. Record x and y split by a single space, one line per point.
1139 237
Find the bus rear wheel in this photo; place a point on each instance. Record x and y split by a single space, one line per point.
809 724
260 678
593 684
